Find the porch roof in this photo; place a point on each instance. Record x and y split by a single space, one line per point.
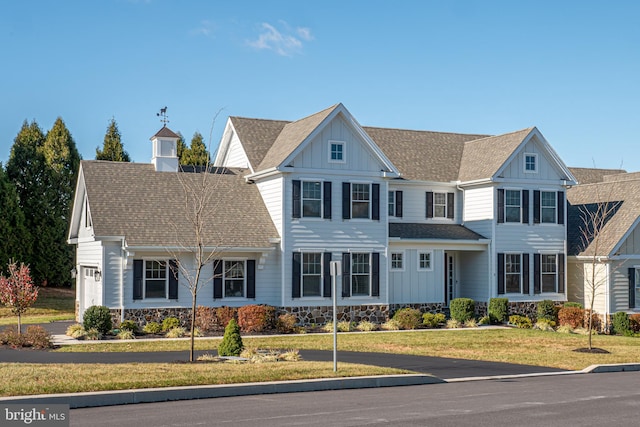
415 231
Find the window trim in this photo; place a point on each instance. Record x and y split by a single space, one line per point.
526 163
166 279
302 275
342 144
302 198
520 273
555 273
443 205
368 275
555 207
391 204
520 208
224 278
369 201
401 259
419 264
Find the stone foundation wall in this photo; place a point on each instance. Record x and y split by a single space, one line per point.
143 316
319 315
424 308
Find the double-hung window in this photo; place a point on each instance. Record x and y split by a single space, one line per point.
439 205
360 274
311 199
548 272
392 203
360 200
234 278
311 274
512 205
155 279
548 201
513 272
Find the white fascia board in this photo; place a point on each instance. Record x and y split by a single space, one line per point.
335 172
450 244
182 249
262 174
482 181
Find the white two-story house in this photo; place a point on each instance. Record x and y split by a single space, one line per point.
416 218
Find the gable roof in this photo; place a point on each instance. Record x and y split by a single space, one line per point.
148 208
624 196
165 132
593 175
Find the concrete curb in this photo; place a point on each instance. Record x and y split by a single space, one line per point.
123 397
619 367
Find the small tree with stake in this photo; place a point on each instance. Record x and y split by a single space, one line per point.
17 291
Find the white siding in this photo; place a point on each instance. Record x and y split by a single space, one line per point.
271 192
235 155
478 204
619 286
631 245
546 170
111 274
413 286
473 275
414 203
88 254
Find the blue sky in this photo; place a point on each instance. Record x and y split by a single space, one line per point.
571 68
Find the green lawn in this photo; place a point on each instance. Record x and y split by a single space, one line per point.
52 304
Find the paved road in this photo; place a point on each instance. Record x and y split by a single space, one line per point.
568 400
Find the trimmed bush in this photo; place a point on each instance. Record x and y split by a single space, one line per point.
519 321
572 304
169 323
286 323
129 325
498 310
462 309
408 318
152 328
571 316
366 326
431 320
231 344
256 318
345 326
176 332
206 318
621 323
225 314
390 325
546 310
97 317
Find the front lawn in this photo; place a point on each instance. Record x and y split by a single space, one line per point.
52 304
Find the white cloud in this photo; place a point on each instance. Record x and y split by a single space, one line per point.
205 29
285 42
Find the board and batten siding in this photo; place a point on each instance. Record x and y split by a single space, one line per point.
546 171
414 286
271 190
473 275
631 245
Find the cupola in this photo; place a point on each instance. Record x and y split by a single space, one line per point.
165 150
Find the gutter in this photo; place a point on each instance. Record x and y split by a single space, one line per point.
123 262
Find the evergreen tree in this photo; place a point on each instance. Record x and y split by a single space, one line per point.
231 344
14 240
197 153
112 149
182 147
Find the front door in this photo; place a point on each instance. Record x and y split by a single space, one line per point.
90 291
449 277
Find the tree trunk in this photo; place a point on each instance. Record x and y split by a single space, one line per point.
193 326
19 324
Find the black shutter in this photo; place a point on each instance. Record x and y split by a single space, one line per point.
536 206
375 201
217 278
501 207
326 271
375 274
173 279
525 274
346 275
632 287
450 204
346 200
138 272
327 199
251 278
297 199
537 279
429 204
398 204
561 207
295 275
561 273
525 206
500 274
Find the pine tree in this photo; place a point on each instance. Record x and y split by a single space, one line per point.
182 147
14 240
231 344
112 148
196 154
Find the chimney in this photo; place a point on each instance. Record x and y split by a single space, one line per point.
165 150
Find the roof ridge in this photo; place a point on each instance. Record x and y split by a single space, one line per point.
529 129
427 131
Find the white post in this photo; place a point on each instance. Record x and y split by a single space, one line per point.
335 272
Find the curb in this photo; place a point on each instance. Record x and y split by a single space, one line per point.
620 367
124 397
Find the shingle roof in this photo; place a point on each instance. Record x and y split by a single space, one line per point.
593 175
257 136
624 197
483 157
165 132
148 208
432 231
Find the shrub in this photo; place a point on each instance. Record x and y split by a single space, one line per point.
10 336
256 318
462 309
328 327
544 325
453 324
169 323
390 325
564 329
498 310
522 322
93 334
471 323
152 328
126 334
571 316
621 323
345 326
97 317
38 337
176 332
485 320
129 325
572 304
366 326
196 332
206 318
231 344
76 331
408 318
286 323
547 310
431 320
225 314
634 322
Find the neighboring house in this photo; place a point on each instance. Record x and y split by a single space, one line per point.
416 218
605 263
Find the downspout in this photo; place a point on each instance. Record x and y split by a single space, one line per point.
123 263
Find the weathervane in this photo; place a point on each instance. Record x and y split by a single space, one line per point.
163 116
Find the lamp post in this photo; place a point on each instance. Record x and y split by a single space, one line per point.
336 268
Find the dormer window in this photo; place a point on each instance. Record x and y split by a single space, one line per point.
530 163
336 152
